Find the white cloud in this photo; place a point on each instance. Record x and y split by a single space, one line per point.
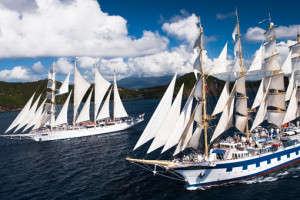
20 5
64 66
38 67
87 62
19 73
70 28
256 34
183 28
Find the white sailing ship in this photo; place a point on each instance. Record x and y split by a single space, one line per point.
253 152
46 126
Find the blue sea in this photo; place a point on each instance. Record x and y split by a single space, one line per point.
96 168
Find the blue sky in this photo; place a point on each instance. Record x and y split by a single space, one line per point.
137 38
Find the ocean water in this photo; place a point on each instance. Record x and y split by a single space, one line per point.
95 168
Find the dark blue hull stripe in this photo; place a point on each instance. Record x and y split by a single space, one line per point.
245 177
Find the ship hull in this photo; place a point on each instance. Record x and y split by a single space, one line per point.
80 132
236 170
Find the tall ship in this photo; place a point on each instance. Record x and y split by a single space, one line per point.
202 152
45 124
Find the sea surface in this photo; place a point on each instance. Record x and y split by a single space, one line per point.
95 168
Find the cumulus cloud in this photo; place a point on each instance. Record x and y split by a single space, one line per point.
64 65
38 67
183 28
70 28
256 34
18 73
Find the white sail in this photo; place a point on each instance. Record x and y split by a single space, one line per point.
261 113
234 33
271 63
237 45
184 140
295 49
62 117
287 65
270 33
64 88
198 42
223 98
225 121
158 115
275 117
197 64
291 112
277 100
237 65
240 122
29 115
290 88
198 90
296 63
260 94
220 64
80 88
182 121
195 139
85 112
241 85
51 84
104 112
168 124
270 48
198 113
257 62
277 82
36 117
241 106
21 115
101 86
119 110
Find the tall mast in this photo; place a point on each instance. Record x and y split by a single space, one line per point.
203 90
52 104
74 109
241 63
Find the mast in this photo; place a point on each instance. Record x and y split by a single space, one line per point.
74 106
242 66
52 103
203 90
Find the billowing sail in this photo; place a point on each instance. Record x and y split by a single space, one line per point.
257 62
220 64
270 48
62 118
64 88
80 88
291 112
104 112
271 63
223 98
85 112
183 119
168 124
275 117
261 113
197 64
101 86
260 94
119 110
158 116
36 117
290 88
287 65
195 139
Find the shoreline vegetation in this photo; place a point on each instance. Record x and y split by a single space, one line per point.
13 96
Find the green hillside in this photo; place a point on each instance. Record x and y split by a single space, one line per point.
15 95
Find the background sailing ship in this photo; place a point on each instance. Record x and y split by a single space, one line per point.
202 159
46 126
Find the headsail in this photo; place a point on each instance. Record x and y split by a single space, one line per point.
85 112
119 110
64 88
62 118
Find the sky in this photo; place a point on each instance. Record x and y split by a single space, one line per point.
133 37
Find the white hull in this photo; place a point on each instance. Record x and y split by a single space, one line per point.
79 132
221 172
